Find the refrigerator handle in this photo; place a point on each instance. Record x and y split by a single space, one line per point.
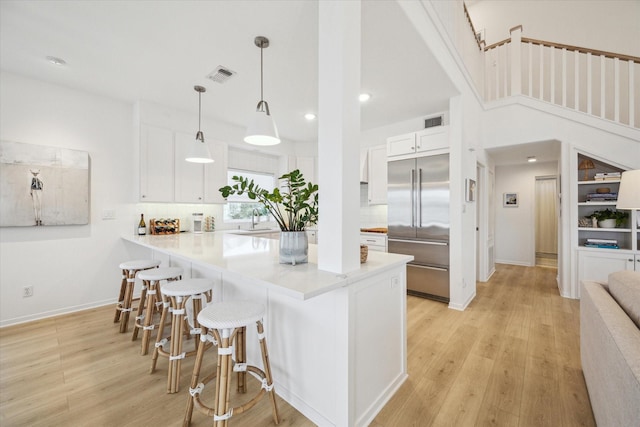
413 192
419 195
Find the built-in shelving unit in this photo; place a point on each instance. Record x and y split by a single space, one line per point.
596 263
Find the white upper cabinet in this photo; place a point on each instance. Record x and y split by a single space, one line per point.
156 164
189 177
433 140
401 144
364 164
215 174
377 166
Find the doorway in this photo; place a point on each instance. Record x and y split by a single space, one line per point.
546 221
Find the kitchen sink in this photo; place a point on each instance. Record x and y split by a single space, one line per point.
256 230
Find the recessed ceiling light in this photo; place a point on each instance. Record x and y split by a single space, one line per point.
531 159
364 97
310 116
56 61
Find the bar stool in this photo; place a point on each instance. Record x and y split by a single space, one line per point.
150 300
174 297
227 322
125 300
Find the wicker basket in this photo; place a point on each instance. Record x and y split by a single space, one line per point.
364 252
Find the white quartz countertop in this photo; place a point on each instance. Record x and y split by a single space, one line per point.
255 259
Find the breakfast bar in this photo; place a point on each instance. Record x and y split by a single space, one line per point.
337 342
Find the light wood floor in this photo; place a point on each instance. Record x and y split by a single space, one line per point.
511 359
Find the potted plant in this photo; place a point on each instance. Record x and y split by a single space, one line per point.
294 206
609 218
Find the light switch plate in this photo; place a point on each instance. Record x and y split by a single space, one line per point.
109 214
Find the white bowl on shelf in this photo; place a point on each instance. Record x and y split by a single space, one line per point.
607 223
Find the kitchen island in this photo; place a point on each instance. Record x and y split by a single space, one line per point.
337 342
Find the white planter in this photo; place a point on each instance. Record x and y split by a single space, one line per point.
607 223
294 247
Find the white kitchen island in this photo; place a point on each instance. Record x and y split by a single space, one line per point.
337 343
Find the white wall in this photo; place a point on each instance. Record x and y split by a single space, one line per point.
70 267
515 226
610 25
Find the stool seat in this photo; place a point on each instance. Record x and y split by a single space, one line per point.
232 314
139 264
187 287
162 273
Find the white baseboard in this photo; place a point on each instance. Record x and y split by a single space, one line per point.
511 262
463 306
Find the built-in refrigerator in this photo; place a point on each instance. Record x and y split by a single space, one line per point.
418 222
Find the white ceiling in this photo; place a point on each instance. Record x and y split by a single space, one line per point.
158 50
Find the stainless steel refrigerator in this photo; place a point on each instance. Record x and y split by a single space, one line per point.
418 214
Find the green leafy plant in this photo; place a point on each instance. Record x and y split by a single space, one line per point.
293 208
619 216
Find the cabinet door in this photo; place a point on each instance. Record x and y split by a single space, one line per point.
189 185
307 166
378 175
401 144
215 174
156 164
597 265
436 138
364 164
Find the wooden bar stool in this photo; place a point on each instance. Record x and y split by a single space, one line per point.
227 322
175 297
150 300
125 299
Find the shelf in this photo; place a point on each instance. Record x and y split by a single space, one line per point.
611 181
616 230
597 203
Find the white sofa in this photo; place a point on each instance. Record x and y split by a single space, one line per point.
610 348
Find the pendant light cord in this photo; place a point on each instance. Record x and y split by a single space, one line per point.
199 109
261 60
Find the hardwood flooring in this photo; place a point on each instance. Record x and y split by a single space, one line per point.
511 359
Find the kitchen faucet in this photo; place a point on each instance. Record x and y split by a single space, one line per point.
254 214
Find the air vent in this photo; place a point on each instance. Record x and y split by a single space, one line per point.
221 74
433 122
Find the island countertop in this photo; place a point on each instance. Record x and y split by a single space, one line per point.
256 259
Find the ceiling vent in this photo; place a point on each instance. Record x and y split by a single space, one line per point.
221 74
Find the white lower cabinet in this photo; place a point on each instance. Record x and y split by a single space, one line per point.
375 241
597 265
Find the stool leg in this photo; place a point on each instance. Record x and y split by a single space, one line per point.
175 358
163 319
197 366
241 357
223 381
148 326
141 307
123 286
127 301
267 370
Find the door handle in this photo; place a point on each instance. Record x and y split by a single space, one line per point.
419 242
413 195
419 196
426 267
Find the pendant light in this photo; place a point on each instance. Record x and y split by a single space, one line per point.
262 130
199 152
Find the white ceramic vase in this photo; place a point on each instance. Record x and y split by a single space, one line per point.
294 247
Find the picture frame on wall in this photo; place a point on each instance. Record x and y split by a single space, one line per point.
510 200
43 185
470 190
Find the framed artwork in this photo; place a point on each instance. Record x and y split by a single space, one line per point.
42 185
470 190
510 200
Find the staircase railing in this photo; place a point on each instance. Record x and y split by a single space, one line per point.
599 83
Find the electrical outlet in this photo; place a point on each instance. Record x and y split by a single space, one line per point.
27 291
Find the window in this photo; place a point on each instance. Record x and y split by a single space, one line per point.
241 208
